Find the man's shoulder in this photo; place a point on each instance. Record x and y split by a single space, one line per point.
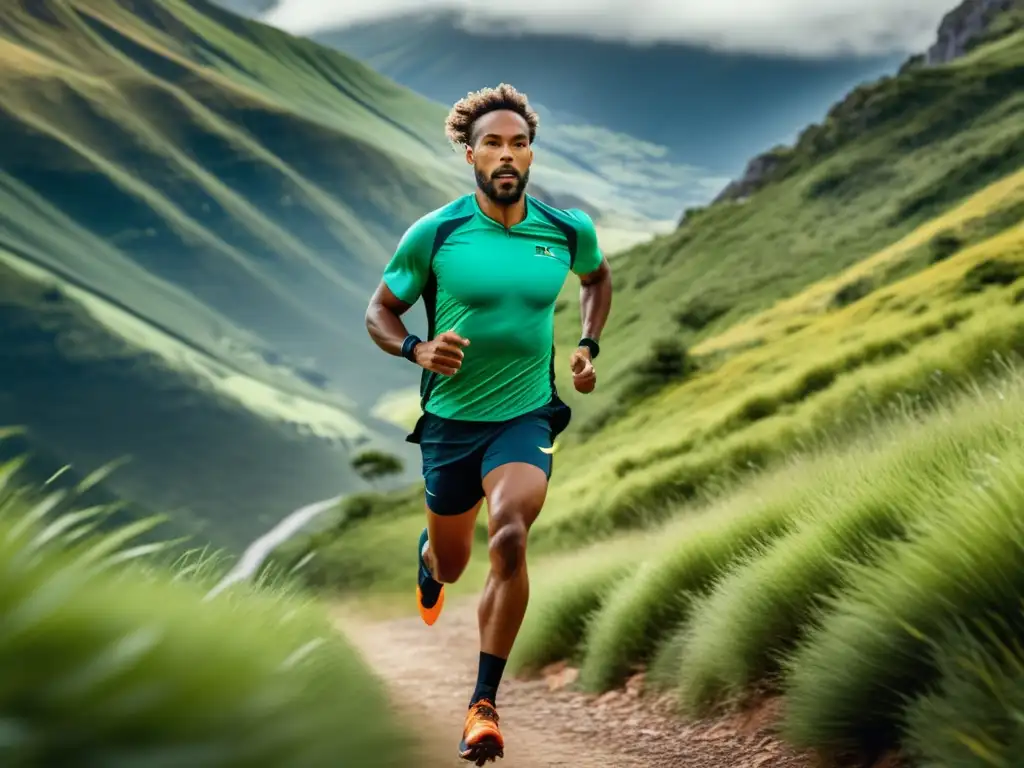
576 218
460 208
423 231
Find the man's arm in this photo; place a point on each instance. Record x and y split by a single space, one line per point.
384 320
595 279
403 282
595 300
400 287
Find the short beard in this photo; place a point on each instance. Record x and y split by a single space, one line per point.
490 187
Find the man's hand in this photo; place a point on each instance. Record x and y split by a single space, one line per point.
584 377
442 354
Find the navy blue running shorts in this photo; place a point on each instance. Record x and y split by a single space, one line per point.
457 455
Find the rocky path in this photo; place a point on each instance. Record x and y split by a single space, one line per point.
431 671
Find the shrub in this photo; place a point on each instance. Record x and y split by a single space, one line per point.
667 362
975 716
846 683
852 291
942 246
699 313
989 273
110 658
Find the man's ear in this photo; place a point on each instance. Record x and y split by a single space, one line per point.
469 154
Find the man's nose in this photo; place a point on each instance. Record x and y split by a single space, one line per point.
506 154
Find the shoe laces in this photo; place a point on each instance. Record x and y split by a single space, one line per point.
484 710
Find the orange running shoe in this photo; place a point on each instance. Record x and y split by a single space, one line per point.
481 737
429 593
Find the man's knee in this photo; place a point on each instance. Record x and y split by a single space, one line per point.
510 526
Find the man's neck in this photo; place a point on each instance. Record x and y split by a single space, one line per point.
506 215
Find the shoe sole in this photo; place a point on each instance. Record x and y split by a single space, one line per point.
488 749
429 615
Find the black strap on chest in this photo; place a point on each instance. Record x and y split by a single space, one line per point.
444 231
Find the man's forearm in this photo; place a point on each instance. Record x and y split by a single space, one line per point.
595 302
386 328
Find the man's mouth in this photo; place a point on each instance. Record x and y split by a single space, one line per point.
506 176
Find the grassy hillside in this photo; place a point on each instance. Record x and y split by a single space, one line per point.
874 586
114 657
880 268
215 176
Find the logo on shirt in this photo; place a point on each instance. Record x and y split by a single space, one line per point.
545 252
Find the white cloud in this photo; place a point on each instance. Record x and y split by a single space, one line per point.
793 27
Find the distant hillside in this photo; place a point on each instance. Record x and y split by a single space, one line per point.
193 210
707 108
891 155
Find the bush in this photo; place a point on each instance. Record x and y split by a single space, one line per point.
667 362
991 272
699 313
760 609
852 291
975 716
112 659
848 680
942 246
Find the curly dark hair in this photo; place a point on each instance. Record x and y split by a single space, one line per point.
465 112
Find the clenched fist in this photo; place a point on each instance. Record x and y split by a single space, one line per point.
442 354
584 377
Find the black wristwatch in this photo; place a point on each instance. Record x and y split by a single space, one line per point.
409 347
593 346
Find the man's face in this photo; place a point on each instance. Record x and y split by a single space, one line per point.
501 155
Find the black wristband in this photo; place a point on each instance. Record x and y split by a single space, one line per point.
409 345
593 346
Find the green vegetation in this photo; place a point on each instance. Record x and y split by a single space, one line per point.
833 582
374 465
773 325
113 656
976 714
194 208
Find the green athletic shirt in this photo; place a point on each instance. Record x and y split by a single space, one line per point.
497 288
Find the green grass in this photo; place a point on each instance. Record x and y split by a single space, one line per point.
791 390
830 581
113 657
898 152
974 716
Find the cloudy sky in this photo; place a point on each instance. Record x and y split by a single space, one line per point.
793 27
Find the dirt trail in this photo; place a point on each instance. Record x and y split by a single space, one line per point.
431 671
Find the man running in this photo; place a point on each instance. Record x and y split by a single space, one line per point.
489 267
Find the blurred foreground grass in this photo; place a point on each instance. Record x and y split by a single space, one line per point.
112 656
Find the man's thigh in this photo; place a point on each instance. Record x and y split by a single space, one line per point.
454 488
525 441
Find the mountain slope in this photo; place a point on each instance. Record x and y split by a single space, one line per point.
193 210
264 176
890 156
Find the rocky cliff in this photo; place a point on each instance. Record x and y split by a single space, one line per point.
963 25
966 26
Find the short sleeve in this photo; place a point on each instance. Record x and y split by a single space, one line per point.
407 271
588 253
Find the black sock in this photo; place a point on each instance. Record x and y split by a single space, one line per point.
488 677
